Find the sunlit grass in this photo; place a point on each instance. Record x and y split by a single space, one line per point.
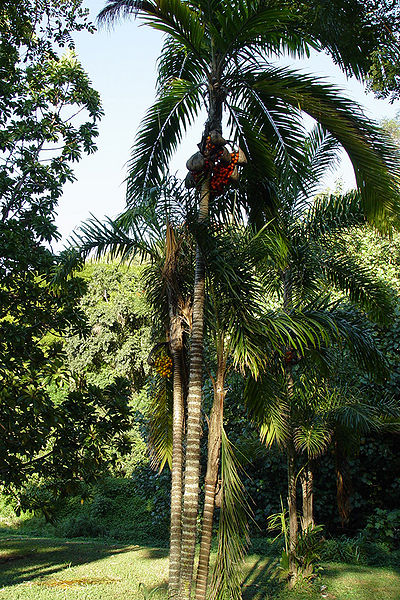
55 569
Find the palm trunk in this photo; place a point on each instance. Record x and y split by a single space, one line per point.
176 343
192 465
194 401
293 522
214 448
290 449
343 485
307 480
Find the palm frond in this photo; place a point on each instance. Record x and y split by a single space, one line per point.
243 24
331 212
233 529
160 132
374 157
313 438
357 282
266 402
160 422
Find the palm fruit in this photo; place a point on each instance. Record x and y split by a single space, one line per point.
216 138
242 160
196 162
163 365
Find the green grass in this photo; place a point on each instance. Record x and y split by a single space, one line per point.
59 569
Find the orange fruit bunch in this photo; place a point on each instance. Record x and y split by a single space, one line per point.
221 174
163 365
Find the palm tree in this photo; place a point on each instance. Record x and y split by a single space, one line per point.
155 231
216 53
315 261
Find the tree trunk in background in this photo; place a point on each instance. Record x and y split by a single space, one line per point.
343 485
214 448
292 504
176 344
290 449
194 401
307 480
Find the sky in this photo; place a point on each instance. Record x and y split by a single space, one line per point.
121 64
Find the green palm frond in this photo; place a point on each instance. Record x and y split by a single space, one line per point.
245 24
160 132
279 123
233 528
160 422
174 17
357 416
357 282
320 156
266 403
374 157
177 62
100 239
312 438
331 212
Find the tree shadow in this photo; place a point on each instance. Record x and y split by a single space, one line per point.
258 578
25 560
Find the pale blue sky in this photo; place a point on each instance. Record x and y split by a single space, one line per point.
122 66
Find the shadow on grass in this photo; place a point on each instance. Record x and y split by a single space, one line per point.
259 578
27 559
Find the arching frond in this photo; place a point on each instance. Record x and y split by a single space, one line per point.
312 438
374 157
177 62
331 212
160 133
320 156
357 282
243 25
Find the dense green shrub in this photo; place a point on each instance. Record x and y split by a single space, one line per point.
384 526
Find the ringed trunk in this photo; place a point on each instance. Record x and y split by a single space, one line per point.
293 523
214 448
194 401
176 343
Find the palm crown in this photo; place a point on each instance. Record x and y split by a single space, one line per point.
218 54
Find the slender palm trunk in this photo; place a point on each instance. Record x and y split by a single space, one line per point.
307 480
290 448
343 485
176 343
194 401
214 449
292 505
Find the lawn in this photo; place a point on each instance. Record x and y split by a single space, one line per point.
58 569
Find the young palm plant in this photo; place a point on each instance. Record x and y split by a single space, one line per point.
217 54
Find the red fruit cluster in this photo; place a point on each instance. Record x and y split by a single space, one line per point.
221 174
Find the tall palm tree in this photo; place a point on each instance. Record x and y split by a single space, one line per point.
155 231
217 54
